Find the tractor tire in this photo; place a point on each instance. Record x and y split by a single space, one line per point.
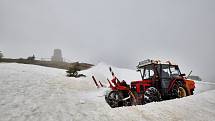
151 95
179 90
114 99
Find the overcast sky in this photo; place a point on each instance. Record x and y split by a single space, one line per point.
117 32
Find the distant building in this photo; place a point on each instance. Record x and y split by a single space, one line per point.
57 57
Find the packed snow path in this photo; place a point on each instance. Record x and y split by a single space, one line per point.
35 93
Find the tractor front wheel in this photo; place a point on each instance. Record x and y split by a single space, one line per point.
181 92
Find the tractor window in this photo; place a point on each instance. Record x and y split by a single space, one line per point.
174 70
148 73
151 73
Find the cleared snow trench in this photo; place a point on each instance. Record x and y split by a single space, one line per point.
32 93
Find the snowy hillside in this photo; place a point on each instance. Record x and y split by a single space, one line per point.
35 93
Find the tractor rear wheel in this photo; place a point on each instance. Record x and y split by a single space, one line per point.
114 99
151 95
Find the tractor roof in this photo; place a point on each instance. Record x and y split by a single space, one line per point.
149 61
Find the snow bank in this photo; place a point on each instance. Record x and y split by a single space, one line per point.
203 86
35 93
101 72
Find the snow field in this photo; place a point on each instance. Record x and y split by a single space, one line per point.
36 93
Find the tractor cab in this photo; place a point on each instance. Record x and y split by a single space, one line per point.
159 75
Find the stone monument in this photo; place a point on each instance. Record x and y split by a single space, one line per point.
57 57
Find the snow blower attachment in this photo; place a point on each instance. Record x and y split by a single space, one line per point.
160 81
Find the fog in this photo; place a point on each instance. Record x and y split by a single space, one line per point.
117 32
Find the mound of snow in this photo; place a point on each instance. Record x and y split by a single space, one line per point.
101 72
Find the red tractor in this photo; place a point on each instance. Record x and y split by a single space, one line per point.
160 81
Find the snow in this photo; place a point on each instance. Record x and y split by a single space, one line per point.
36 93
101 72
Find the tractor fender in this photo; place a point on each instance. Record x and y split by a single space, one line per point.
172 84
